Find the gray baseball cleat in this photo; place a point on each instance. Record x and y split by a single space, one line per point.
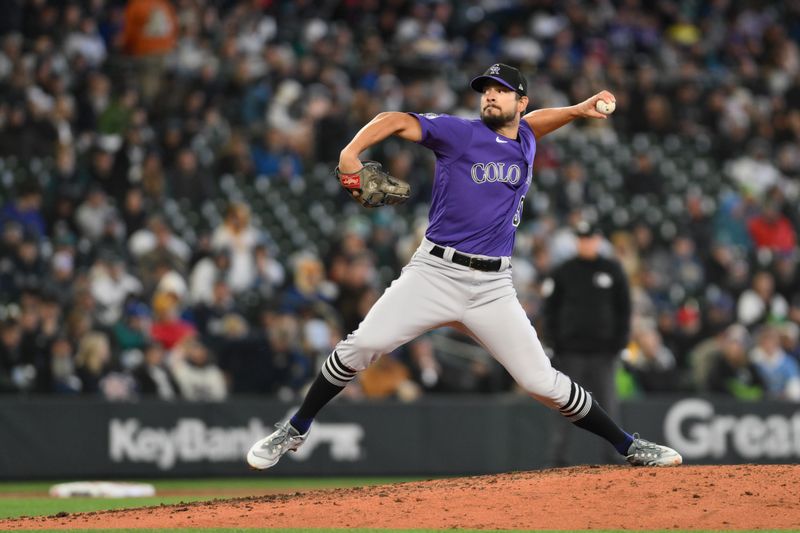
645 453
266 452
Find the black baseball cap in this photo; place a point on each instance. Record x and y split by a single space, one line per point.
585 228
505 75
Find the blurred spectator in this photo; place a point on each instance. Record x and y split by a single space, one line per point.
208 316
787 280
274 157
731 371
154 182
573 188
235 157
291 368
686 269
240 238
111 286
159 253
245 356
168 328
718 313
78 324
771 230
355 286
198 377
699 225
753 171
28 265
134 215
158 235
309 287
170 281
87 43
63 378
25 210
153 378
652 364
132 330
628 256
92 213
269 273
781 373
16 374
730 223
760 303
103 174
93 361
149 33
188 181
388 377
50 319
790 339
11 238
206 273
688 331
62 269
642 178
426 368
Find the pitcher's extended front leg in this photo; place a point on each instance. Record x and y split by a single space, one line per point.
504 329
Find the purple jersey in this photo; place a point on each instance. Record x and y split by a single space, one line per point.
480 183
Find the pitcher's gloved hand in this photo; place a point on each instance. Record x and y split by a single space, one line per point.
373 187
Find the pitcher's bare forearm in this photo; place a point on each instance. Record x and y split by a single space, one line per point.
543 121
383 126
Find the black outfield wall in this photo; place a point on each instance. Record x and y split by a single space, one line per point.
75 438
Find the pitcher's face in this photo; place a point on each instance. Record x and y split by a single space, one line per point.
500 105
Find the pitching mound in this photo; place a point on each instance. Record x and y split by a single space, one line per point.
608 497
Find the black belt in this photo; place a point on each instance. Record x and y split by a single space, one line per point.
487 265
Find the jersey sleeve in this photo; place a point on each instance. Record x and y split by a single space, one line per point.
446 135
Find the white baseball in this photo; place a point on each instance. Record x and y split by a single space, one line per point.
604 107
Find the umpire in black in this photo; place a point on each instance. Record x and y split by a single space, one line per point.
587 315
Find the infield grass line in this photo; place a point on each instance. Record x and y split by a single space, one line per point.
254 482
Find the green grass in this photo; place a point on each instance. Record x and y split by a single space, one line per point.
30 498
255 483
10 508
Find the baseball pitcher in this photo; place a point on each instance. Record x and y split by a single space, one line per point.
460 276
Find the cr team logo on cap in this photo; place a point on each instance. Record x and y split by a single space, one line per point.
505 75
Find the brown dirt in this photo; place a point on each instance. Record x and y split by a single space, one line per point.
607 497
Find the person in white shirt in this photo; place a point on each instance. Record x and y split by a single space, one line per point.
205 273
198 378
111 285
240 237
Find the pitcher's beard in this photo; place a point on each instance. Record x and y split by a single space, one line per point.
495 121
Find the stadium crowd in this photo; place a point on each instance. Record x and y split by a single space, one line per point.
114 113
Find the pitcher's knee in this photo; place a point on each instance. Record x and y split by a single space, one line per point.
359 351
537 386
549 388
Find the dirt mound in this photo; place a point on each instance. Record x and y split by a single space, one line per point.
607 497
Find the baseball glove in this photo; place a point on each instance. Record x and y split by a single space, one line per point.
372 187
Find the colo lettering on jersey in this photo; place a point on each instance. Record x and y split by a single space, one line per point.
493 172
